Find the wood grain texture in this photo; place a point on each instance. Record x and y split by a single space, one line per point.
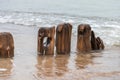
97 43
63 38
83 38
46 48
6 45
86 39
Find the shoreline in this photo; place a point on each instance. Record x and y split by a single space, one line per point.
26 65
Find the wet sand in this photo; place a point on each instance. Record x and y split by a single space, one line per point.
27 65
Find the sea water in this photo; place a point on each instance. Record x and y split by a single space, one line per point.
24 17
103 16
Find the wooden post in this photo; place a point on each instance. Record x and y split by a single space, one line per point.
46 48
86 40
83 38
97 43
93 41
63 38
6 45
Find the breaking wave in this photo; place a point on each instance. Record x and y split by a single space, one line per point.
107 28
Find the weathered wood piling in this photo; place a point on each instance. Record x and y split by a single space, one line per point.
6 45
96 43
83 38
86 40
46 47
63 38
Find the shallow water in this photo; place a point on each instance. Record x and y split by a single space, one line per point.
27 65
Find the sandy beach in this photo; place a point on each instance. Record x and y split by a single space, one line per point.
27 65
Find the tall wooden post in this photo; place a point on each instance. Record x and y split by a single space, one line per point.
63 38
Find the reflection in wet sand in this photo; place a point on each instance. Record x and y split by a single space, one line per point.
45 66
51 66
61 62
82 60
62 66
6 66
